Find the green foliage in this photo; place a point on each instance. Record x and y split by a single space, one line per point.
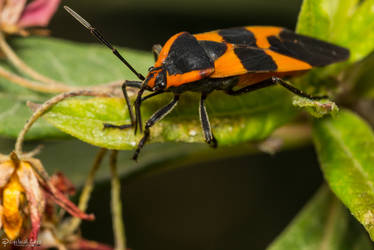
349 23
74 63
323 223
344 146
344 142
359 79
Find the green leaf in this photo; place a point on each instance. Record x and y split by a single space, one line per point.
345 150
349 23
325 19
317 108
234 119
362 74
322 224
73 63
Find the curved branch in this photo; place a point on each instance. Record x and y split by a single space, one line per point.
21 66
46 106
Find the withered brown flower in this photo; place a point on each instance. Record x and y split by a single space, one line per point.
23 192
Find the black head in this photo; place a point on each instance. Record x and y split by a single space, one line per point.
156 79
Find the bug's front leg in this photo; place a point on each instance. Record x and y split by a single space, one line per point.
157 116
209 137
135 84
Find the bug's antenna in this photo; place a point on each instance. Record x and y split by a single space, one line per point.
100 37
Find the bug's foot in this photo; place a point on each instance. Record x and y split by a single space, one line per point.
125 126
135 155
137 152
141 143
213 142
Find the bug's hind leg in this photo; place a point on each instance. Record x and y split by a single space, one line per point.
272 81
294 90
126 84
209 137
157 116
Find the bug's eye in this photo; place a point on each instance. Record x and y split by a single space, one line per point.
160 82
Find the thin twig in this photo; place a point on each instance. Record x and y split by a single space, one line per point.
73 224
33 152
46 106
34 85
117 219
22 67
54 89
42 84
37 86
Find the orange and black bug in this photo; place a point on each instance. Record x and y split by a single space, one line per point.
235 60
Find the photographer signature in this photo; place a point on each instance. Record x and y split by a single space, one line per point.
20 243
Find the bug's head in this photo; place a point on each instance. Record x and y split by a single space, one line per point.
156 79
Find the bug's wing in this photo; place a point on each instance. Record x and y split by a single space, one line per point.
239 60
307 49
255 49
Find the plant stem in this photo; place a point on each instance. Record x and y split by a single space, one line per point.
117 220
74 222
21 66
37 86
42 83
54 89
34 85
45 107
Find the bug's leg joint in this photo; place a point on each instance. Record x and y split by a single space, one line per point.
109 125
157 116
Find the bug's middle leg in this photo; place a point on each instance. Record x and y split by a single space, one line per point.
209 137
126 84
161 113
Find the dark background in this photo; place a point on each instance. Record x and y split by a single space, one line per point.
236 203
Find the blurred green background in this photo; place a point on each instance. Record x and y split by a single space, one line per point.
236 203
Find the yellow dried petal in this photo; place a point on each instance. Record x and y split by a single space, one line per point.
34 196
1 216
13 199
6 170
29 181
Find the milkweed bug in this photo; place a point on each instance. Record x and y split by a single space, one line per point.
245 58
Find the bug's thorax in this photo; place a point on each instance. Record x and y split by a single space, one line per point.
157 74
181 60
